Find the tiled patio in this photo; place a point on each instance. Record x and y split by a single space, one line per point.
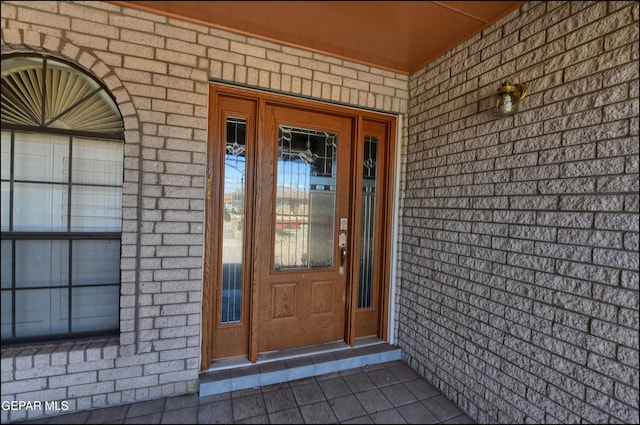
388 392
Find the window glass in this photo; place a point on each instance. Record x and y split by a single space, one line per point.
5 156
40 207
41 157
61 192
95 308
95 262
97 162
41 312
7 263
96 209
6 311
5 200
42 263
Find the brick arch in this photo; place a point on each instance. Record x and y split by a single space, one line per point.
25 41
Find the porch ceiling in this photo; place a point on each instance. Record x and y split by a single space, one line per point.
402 36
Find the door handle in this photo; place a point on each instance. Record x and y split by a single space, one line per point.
342 243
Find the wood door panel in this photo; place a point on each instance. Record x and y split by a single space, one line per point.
302 302
284 300
302 313
322 297
301 309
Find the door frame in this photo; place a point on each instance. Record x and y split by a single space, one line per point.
214 206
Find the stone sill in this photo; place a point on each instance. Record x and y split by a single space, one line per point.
60 353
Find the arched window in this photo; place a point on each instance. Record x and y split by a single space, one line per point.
61 177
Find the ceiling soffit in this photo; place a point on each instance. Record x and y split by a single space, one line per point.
402 36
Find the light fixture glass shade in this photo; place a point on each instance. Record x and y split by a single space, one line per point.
507 99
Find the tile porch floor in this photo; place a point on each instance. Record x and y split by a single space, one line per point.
389 392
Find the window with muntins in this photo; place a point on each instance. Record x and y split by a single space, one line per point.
61 185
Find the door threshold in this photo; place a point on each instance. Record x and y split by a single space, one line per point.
293 353
290 365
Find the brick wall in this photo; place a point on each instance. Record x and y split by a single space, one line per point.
519 240
158 70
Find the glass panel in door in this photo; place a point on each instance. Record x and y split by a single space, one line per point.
233 225
367 240
305 199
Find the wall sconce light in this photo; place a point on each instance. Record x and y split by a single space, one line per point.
508 97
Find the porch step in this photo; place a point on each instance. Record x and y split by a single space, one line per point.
289 365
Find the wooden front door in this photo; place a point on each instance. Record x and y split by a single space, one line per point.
298 229
302 230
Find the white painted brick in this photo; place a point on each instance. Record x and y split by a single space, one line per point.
145 65
314 64
264 78
94 28
135 34
9 12
246 49
119 373
170 56
71 379
90 389
178 376
169 366
296 71
212 41
84 366
24 386
179 331
94 42
44 18
226 56
171 31
130 49
23 362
